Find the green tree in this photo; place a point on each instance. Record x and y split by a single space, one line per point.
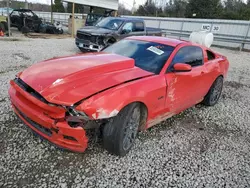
78 8
148 9
176 8
236 9
58 6
204 8
122 10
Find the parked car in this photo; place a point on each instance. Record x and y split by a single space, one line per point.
129 86
110 30
25 19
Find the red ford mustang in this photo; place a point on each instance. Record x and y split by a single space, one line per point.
129 86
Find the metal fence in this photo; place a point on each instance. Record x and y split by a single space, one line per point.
228 33
62 17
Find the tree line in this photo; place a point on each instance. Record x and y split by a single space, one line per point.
211 9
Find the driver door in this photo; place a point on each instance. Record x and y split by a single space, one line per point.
184 88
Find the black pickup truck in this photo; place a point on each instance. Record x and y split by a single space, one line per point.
109 30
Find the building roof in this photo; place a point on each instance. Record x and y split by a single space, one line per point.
107 4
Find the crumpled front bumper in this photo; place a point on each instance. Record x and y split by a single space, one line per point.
36 115
87 45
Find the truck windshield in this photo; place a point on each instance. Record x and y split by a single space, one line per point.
110 23
149 56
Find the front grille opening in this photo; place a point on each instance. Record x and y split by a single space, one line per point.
29 90
87 37
39 127
69 138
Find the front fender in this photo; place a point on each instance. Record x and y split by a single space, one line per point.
110 102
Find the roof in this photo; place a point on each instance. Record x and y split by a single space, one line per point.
107 4
23 10
161 40
126 19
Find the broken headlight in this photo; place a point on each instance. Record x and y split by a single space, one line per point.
75 113
100 40
74 117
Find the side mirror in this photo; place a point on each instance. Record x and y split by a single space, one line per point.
182 67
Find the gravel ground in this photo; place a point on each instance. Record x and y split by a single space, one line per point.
201 147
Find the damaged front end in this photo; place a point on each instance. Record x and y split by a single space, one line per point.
77 118
61 125
90 42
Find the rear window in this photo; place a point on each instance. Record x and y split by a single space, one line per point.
210 55
148 56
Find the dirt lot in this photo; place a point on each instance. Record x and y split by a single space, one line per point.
201 147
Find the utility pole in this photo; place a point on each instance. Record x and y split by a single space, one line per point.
133 8
73 20
26 5
51 13
8 15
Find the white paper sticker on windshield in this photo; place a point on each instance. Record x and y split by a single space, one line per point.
155 50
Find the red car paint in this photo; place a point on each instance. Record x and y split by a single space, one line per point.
102 84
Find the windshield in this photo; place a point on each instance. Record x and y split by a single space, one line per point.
26 13
110 23
149 56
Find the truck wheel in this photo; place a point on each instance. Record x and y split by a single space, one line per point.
25 30
214 92
60 31
19 28
119 133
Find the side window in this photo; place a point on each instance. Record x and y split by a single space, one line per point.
15 13
138 26
191 55
210 55
127 28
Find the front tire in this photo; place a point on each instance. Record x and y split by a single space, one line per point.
119 133
214 92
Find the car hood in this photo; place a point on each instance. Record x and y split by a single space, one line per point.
95 30
70 79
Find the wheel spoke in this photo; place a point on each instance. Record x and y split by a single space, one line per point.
216 90
131 129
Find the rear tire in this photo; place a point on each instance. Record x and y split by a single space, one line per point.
214 92
119 133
